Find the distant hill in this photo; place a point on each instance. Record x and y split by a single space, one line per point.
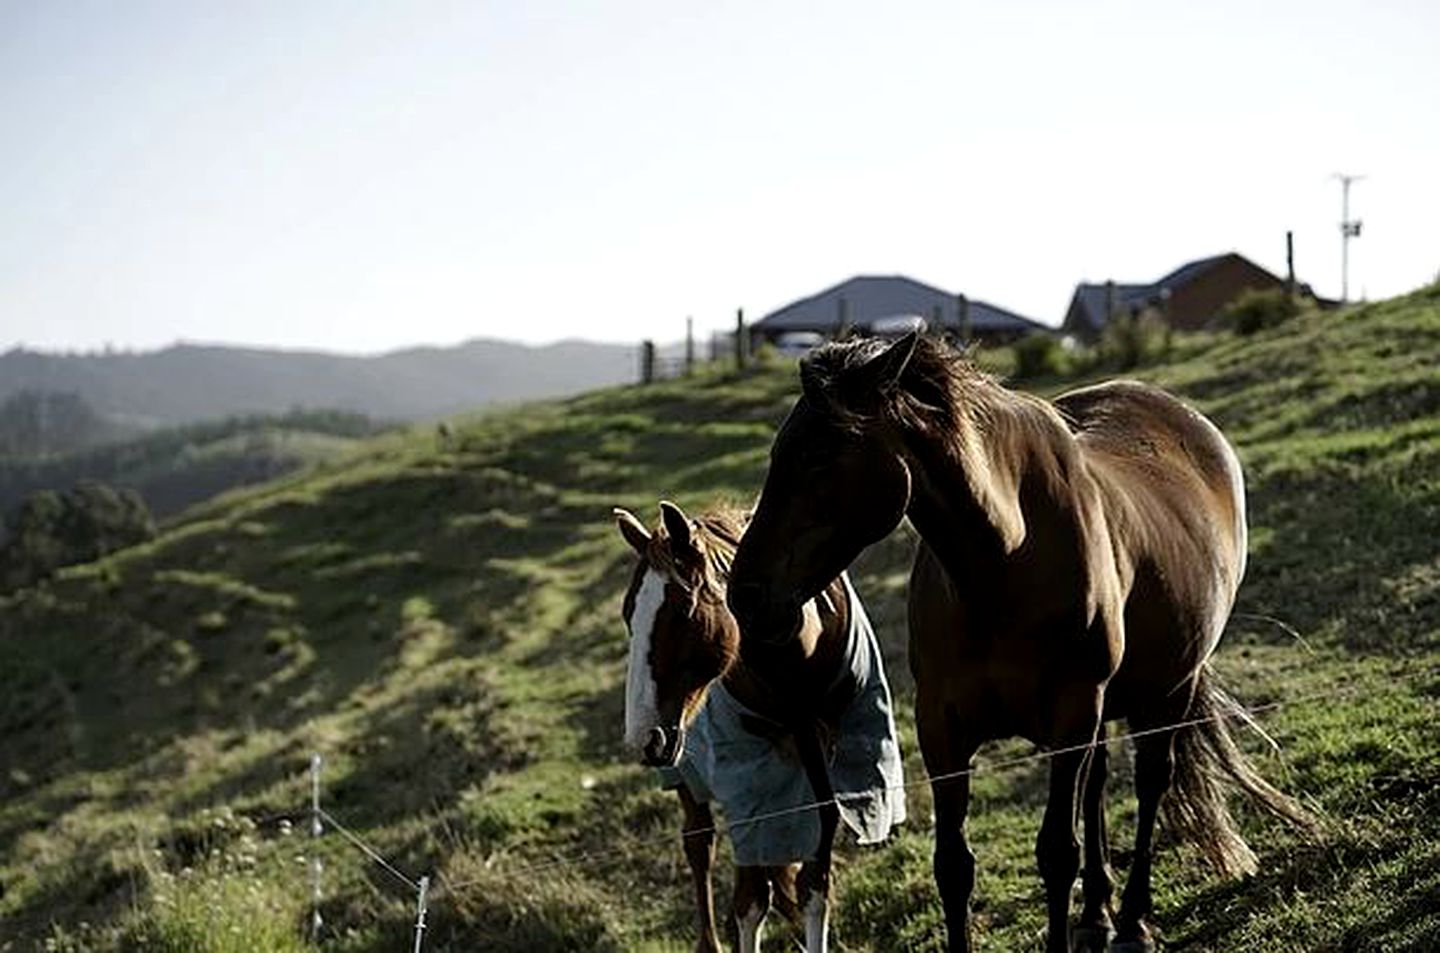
188 382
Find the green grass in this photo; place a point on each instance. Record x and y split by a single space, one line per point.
443 624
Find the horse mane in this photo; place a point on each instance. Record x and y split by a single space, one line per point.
939 389
993 434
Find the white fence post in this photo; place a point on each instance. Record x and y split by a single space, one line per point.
316 865
420 913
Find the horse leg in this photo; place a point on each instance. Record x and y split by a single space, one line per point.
1057 849
1154 767
813 884
749 906
783 894
698 835
1094 930
947 760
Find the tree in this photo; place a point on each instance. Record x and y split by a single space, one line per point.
51 530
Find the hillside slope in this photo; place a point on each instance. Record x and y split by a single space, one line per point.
443 625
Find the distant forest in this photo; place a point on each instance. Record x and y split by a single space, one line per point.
169 468
38 423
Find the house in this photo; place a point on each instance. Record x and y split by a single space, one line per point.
1190 297
881 304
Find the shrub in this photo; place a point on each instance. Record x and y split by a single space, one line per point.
1254 310
1133 339
1039 355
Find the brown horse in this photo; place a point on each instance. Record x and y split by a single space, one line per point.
1078 563
685 643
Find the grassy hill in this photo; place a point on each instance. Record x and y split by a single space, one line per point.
443 624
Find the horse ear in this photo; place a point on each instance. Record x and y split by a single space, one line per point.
677 524
633 530
883 371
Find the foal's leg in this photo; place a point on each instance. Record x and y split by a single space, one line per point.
698 834
947 760
1057 849
783 897
1094 929
751 903
813 885
1154 767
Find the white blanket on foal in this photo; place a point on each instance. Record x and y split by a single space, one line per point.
749 766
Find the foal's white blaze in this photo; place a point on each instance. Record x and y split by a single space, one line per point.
641 713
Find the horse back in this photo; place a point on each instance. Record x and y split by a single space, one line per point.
1174 501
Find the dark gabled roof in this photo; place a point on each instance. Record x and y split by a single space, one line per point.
1189 271
870 297
987 317
1091 297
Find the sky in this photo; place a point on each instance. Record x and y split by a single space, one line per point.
361 177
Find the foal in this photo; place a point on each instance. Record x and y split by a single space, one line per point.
756 748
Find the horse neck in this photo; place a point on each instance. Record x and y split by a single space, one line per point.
965 497
822 647
823 639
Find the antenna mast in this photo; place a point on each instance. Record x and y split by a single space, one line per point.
1348 230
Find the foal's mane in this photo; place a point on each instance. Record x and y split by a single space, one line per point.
716 533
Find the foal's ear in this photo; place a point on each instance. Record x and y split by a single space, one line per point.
677 524
883 371
633 530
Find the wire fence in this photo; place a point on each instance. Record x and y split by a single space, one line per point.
424 895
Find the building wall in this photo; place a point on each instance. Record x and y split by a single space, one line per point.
1077 321
1199 301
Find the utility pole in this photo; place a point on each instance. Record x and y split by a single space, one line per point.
1348 230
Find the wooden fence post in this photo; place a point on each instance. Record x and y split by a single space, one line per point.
689 345
741 350
647 362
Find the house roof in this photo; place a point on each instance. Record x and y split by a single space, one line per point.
1090 298
1190 271
869 298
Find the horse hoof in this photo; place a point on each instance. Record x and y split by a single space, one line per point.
1091 939
1132 946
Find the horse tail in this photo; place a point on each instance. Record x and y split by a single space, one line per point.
1207 763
